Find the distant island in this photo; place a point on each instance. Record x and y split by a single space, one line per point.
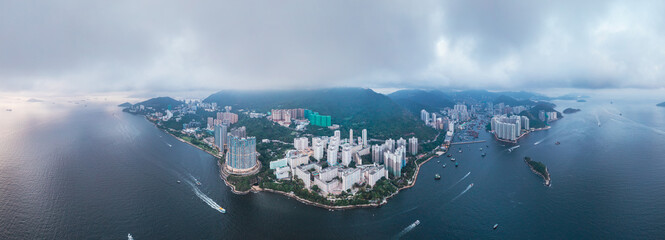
538 168
571 110
581 100
661 104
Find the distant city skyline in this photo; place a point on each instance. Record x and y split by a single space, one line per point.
78 47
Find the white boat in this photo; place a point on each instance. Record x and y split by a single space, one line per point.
129 236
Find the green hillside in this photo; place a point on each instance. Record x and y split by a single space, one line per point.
352 108
160 103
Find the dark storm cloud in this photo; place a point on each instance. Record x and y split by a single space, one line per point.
83 46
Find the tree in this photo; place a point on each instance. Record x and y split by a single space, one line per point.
316 189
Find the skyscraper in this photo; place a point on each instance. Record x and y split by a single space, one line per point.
424 115
351 136
364 137
221 136
413 145
242 153
332 155
346 155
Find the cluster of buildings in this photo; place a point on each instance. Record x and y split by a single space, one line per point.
284 116
443 120
502 108
547 116
302 117
459 113
338 164
509 128
318 120
241 156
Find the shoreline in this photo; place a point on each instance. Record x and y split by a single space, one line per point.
257 189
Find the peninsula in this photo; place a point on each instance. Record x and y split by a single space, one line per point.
661 104
538 168
301 144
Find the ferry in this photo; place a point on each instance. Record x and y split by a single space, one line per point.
496 226
437 176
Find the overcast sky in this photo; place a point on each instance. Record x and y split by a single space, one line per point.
169 46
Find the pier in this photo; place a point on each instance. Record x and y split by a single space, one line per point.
459 143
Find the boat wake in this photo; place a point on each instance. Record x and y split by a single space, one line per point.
541 140
407 229
513 148
206 199
462 179
463 192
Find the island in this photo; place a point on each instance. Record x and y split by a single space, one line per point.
581 100
571 110
538 168
661 104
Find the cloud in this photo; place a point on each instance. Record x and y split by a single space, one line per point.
161 46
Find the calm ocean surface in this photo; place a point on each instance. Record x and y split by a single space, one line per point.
71 171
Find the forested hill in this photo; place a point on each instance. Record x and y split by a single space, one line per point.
355 108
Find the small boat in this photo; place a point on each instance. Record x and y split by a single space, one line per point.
437 177
481 149
557 143
495 226
444 165
9 110
438 161
178 181
416 223
456 164
452 159
221 209
460 150
129 236
198 183
449 155
483 155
